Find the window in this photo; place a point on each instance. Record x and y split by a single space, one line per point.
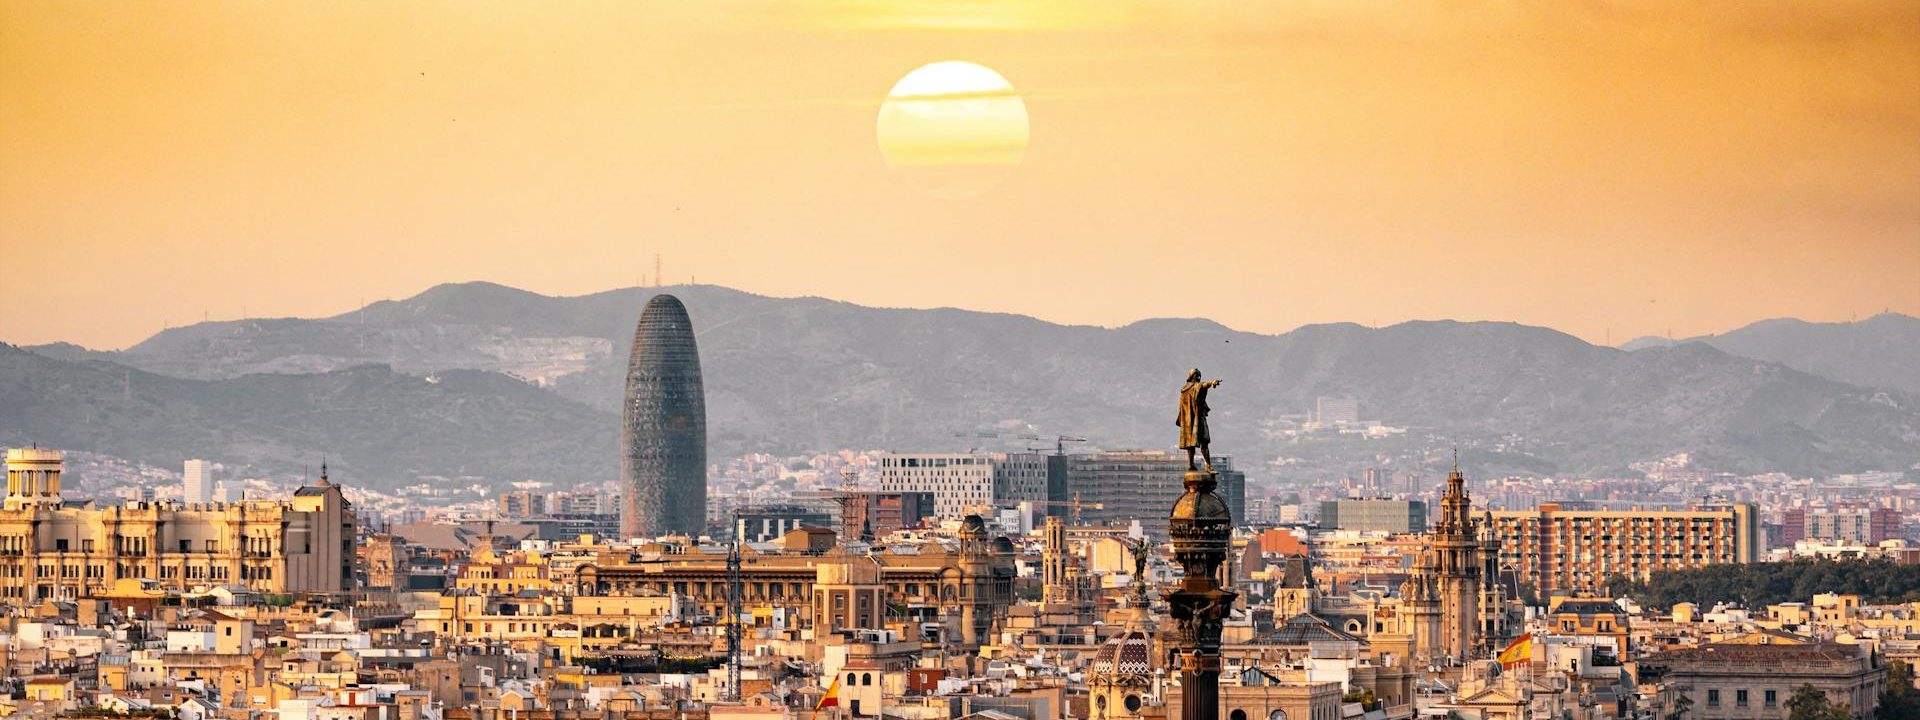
866 679
1237 714
1772 699
1740 698
1713 698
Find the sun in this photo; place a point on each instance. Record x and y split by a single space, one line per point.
954 128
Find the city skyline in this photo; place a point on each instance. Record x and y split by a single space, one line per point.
1610 172
770 359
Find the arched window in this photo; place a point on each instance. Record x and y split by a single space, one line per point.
850 682
1277 715
1237 714
866 679
1133 703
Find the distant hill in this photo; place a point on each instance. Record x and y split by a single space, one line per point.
1880 351
376 426
807 373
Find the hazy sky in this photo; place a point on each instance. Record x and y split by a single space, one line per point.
1606 169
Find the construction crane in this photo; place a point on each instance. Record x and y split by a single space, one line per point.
733 611
1059 441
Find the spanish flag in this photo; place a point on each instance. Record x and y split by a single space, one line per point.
1520 651
832 698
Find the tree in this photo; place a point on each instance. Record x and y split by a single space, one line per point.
1359 695
1900 701
1681 706
1530 594
1808 703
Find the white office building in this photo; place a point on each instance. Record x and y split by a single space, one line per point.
967 483
199 483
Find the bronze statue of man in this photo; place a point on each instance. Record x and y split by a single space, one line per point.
1193 418
1138 548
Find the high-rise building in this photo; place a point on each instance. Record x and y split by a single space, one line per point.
1378 481
965 483
764 523
1121 486
1580 549
198 485
1857 525
663 433
1374 515
868 514
583 503
522 504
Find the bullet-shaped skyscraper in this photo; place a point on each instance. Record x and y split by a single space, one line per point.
663 430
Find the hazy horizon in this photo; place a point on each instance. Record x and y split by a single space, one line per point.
1616 341
1613 172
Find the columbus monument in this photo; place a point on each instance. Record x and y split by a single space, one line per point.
663 427
1201 527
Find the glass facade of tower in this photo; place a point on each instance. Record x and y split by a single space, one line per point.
663 431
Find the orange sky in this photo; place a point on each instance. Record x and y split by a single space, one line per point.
1609 170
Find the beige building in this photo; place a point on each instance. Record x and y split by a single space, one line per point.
1754 680
1579 549
53 549
963 581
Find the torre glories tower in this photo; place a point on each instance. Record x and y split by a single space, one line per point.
663 427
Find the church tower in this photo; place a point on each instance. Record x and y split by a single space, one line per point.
1066 599
1419 610
1493 595
1054 562
1457 554
1296 594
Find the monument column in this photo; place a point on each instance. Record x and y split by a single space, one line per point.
1201 527
1202 530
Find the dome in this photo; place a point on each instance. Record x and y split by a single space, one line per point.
1002 545
1128 653
973 526
1196 506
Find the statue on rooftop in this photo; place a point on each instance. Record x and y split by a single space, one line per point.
1138 548
1193 419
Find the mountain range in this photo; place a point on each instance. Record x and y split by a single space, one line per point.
501 384
1880 351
